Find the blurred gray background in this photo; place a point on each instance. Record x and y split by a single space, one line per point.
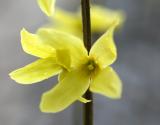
138 65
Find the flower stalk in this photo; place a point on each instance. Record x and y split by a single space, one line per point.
88 107
86 23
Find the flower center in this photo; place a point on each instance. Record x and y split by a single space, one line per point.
91 65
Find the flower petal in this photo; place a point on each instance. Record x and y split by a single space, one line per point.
64 17
36 71
83 100
32 45
107 83
103 17
68 21
66 92
61 40
63 58
104 50
47 6
61 76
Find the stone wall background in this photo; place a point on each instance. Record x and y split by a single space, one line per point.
138 65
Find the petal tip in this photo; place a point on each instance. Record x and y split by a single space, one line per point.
47 6
24 33
23 29
45 106
12 75
42 105
83 100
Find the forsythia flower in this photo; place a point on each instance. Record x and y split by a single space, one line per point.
64 54
101 19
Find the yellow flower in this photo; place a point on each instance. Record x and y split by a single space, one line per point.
64 54
101 19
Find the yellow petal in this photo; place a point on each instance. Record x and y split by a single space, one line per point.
83 100
32 45
104 50
64 17
47 6
69 29
63 58
35 72
61 40
68 22
107 83
62 76
103 17
66 92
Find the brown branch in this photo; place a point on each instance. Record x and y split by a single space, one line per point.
88 107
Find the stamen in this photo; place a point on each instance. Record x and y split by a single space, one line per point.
91 65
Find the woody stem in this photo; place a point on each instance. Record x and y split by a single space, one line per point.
88 107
